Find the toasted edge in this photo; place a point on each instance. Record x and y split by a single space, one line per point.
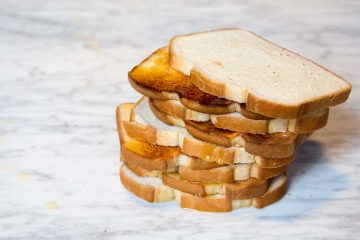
147 192
123 112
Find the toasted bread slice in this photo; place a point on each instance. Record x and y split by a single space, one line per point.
240 66
276 145
156 74
251 188
245 189
145 126
150 189
151 157
218 203
230 173
203 173
245 121
160 158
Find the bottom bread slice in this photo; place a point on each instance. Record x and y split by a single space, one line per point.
218 203
152 189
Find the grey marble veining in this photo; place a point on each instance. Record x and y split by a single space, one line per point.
63 69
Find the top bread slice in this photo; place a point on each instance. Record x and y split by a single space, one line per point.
239 65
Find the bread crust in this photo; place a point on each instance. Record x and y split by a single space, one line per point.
121 114
161 95
142 191
227 174
221 204
247 123
270 197
258 148
257 103
251 188
152 164
210 109
183 185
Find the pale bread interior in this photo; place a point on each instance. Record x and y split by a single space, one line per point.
243 62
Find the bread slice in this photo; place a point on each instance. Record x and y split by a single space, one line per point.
151 157
250 123
270 145
123 112
239 65
218 203
245 189
160 158
251 188
150 189
155 73
230 173
203 173
145 126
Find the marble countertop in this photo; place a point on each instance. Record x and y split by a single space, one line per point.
63 70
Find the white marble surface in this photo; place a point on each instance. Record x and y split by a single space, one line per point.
63 69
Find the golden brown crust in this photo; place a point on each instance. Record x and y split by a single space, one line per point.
141 172
209 204
140 132
214 175
243 125
208 152
146 162
203 131
311 122
170 180
210 108
275 162
266 173
270 197
251 188
155 73
142 191
277 145
248 114
169 108
275 150
199 164
119 120
151 93
278 110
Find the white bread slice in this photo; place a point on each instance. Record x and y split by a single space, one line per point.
148 188
218 203
238 65
145 126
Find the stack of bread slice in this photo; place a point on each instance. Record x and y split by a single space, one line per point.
223 114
